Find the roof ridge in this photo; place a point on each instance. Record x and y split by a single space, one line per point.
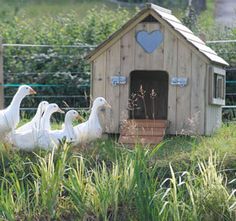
159 8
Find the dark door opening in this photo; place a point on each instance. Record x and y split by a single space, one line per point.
148 94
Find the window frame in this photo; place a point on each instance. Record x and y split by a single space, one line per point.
217 85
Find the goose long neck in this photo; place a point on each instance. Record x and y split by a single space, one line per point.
68 125
94 116
68 129
37 115
46 120
16 101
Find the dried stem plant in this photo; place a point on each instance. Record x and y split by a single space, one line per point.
141 94
153 95
132 104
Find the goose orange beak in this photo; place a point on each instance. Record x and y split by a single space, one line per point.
60 111
80 118
32 91
108 105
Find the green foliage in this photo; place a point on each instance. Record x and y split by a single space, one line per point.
97 26
65 69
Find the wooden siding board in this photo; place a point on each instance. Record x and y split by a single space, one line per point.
214 118
112 92
127 65
170 65
99 76
183 93
156 59
141 57
198 94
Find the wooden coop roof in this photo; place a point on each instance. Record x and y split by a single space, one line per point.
168 19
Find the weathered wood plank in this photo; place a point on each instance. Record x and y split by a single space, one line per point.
214 118
99 76
183 93
140 140
141 57
127 65
170 65
148 123
143 131
156 59
113 92
198 89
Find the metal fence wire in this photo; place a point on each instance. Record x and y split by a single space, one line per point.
226 49
58 73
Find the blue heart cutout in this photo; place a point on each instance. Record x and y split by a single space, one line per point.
149 41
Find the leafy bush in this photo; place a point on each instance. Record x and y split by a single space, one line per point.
63 67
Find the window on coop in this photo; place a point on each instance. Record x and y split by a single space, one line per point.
217 86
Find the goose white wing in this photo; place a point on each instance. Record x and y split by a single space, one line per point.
28 126
24 141
32 139
6 125
87 132
59 135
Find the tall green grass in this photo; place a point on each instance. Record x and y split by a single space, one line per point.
106 181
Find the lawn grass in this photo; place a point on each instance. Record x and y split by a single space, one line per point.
36 9
183 178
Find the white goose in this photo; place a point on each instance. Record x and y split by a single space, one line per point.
10 117
45 121
36 138
91 129
35 122
68 130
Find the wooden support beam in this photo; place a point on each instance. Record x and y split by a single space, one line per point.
1 77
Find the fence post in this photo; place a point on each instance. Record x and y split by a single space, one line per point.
1 77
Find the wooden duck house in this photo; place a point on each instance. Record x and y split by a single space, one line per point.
159 78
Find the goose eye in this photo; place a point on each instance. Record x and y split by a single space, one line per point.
55 106
27 88
101 99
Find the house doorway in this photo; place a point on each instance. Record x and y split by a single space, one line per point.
148 95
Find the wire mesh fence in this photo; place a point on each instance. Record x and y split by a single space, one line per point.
59 74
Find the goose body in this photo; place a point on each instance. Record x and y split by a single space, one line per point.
68 131
35 122
37 137
91 129
10 117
